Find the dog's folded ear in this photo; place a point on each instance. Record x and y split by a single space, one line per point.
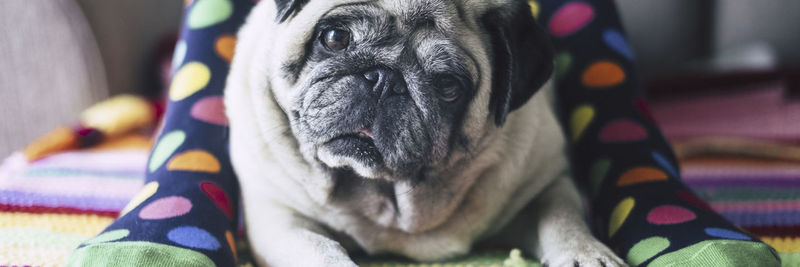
287 8
522 57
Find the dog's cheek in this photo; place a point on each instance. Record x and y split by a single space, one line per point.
333 107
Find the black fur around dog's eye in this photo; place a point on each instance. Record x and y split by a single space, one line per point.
449 87
336 39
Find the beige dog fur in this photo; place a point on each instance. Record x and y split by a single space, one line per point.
517 185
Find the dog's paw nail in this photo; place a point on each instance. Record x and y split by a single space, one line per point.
588 254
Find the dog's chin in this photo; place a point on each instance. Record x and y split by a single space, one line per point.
356 152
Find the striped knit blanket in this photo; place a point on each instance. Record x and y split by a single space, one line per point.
50 206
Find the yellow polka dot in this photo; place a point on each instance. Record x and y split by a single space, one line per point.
147 191
191 78
603 74
534 8
194 160
232 244
225 46
581 118
618 216
641 175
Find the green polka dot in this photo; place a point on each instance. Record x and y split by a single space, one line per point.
178 55
137 253
109 236
164 149
563 63
209 12
646 249
597 173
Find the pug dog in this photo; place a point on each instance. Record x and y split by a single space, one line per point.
418 128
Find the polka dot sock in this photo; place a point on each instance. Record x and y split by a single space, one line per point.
640 208
186 214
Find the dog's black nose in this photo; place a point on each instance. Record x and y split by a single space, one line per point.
385 82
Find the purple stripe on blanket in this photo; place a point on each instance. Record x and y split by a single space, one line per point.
743 174
112 161
764 218
78 186
61 173
18 198
752 181
760 113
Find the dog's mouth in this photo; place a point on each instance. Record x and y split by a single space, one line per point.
355 150
359 144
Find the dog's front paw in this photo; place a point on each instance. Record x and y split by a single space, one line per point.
581 252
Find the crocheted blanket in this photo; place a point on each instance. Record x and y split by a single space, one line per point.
51 205
48 207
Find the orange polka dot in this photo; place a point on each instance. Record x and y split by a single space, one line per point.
225 46
603 74
641 175
194 160
232 243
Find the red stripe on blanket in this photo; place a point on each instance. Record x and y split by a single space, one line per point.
58 210
781 231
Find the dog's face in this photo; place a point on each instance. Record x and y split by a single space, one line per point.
380 106
385 89
391 89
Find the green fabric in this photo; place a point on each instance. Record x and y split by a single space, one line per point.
489 258
790 259
137 254
722 253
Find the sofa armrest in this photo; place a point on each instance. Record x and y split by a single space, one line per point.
51 69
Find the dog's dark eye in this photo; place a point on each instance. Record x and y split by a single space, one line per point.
336 39
449 87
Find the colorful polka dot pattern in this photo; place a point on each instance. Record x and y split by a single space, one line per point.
647 214
186 210
185 214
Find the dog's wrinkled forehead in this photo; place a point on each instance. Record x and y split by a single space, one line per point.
502 35
406 15
286 9
429 29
